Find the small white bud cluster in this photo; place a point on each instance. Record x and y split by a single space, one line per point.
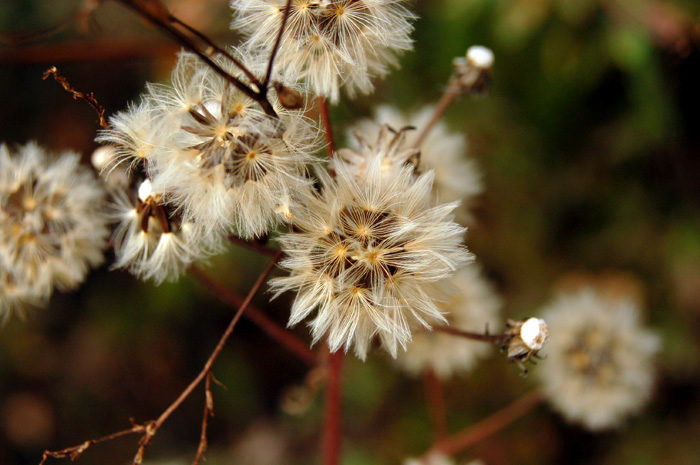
524 339
473 71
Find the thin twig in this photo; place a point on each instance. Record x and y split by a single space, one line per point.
435 397
89 98
252 245
208 412
217 49
327 125
76 451
333 408
270 64
275 331
162 21
486 337
153 427
486 427
449 96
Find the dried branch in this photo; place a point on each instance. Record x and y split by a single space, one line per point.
154 426
271 62
156 13
486 427
255 246
89 98
208 412
484 337
76 451
281 335
327 125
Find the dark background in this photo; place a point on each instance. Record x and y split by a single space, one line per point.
590 147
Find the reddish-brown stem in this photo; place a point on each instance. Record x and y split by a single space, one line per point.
435 397
157 15
153 427
107 49
275 331
76 451
89 98
327 125
486 427
333 407
215 48
208 412
254 246
493 338
275 49
446 100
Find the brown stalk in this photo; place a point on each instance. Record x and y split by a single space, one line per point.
486 427
89 98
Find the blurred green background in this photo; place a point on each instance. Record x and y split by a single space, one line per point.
590 147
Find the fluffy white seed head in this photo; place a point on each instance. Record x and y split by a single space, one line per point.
473 306
328 43
599 360
51 226
457 177
213 154
369 256
228 167
151 240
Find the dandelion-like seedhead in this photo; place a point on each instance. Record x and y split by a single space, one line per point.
151 240
51 227
456 177
473 306
328 43
213 154
370 255
599 366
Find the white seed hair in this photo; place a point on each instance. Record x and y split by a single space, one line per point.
51 226
472 306
599 360
457 177
369 256
328 44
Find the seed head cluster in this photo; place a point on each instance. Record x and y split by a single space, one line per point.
216 164
370 255
329 43
52 229
457 177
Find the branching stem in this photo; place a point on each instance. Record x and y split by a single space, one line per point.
153 427
284 337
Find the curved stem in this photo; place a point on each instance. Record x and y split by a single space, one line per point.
275 331
486 427
153 427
